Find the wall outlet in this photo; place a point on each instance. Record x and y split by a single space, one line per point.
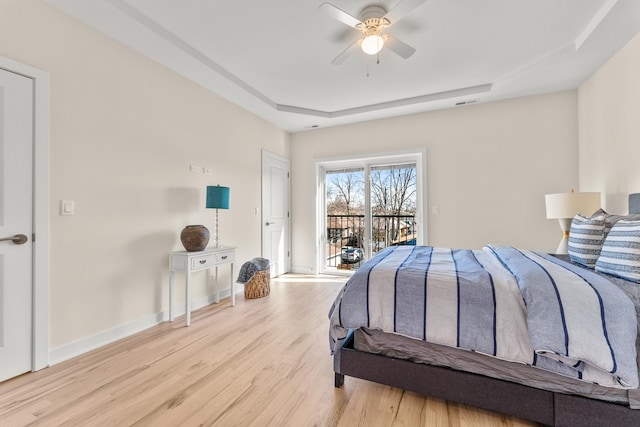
207 171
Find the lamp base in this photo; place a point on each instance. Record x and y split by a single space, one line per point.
217 239
563 246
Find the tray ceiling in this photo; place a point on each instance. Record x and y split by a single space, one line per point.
274 58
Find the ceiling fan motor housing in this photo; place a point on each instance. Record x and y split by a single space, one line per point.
372 21
373 26
370 12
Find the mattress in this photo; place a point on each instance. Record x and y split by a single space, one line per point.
402 347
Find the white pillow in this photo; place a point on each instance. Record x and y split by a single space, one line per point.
620 255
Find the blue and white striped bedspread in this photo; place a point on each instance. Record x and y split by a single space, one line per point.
512 304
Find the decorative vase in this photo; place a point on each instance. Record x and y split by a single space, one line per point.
194 237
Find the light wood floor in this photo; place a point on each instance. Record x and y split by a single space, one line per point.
264 362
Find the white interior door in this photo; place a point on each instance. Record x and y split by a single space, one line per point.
275 213
16 219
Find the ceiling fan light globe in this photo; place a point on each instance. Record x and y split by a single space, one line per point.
372 44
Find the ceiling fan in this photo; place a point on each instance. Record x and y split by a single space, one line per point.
373 22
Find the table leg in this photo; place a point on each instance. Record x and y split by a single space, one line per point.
233 288
217 287
171 295
187 303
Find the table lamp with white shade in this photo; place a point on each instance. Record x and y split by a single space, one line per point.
564 206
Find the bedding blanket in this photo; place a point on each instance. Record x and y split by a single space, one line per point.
516 305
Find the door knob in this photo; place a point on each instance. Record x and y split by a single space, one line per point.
270 223
18 239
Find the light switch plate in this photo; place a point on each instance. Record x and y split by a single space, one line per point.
67 207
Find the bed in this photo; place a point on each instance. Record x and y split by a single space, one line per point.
503 320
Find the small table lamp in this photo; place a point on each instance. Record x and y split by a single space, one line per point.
564 206
217 198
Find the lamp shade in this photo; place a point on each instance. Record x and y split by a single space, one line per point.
567 205
217 197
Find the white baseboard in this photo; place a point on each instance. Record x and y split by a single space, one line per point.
84 345
295 269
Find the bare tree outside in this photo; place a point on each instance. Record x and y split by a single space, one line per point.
347 189
393 193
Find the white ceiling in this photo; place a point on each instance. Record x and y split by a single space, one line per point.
273 58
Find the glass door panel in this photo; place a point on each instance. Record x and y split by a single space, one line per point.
345 218
393 205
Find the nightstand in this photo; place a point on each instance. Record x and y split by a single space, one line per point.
189 262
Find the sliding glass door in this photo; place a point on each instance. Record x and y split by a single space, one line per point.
367 205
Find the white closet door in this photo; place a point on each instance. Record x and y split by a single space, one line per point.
16 219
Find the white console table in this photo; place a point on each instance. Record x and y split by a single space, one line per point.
189 262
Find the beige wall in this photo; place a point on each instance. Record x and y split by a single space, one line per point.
124 131
488 169
609 130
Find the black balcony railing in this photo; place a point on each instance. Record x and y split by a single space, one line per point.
345 237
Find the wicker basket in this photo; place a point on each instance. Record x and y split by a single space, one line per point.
258 286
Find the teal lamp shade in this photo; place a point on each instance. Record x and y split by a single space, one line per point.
217 197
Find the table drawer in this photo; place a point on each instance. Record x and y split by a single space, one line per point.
204 261
224 257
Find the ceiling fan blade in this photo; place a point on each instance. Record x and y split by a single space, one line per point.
345 53
399 47
401 10
343 36
340 15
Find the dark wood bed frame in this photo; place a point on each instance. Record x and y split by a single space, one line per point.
529 403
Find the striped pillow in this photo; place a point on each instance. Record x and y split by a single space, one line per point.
610 220
620 254
585 238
